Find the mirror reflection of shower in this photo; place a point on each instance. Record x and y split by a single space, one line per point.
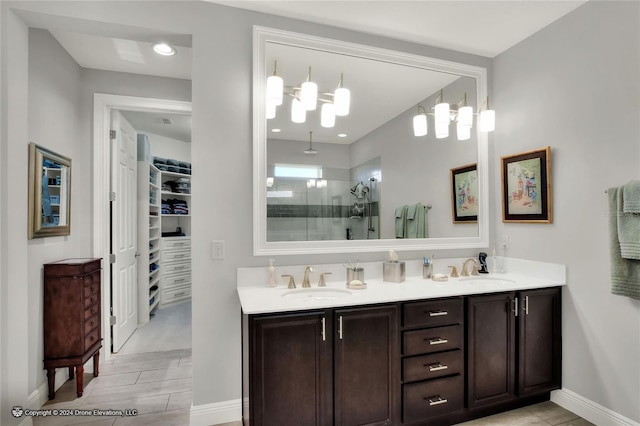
362 208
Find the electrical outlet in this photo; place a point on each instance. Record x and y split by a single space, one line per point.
505 242
217 250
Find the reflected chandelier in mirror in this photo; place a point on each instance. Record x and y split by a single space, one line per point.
49 193
374 146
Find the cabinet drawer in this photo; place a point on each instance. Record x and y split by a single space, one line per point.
90 311
433 313
178 255
433 398
170 244
91 289
177 280
432 366
175 267
431 340
169 296
91 338
91 323
92 300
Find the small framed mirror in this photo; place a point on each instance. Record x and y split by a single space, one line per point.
49 193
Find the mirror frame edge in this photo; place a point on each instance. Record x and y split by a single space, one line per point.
262 247
35 229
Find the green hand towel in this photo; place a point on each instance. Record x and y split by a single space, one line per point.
625 273
401 221
628 229
631 194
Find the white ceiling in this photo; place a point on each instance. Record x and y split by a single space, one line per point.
175 126
485 28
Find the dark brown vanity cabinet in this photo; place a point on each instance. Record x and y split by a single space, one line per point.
432 360
513 345
324 367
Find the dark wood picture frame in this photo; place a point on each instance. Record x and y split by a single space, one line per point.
464 194
526 187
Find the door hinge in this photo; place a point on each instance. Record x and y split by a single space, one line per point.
112 258
112 134
112 320
112 196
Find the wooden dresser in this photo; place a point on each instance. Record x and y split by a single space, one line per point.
72 328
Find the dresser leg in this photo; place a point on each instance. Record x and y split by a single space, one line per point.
79 378
96 362
51 377
71 372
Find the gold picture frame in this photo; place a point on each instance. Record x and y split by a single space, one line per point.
49 193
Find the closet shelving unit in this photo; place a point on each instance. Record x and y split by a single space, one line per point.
149 240
175 254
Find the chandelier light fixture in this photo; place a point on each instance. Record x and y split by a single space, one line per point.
310 150
460 113
306 98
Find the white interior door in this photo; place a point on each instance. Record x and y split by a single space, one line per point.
124 244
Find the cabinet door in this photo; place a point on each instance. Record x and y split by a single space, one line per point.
290 370
540 342
491 333
366 366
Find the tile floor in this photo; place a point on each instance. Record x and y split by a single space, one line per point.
155 378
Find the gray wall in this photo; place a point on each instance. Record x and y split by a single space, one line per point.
574 86
60 117
539 81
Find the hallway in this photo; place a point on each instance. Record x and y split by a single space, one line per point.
151 374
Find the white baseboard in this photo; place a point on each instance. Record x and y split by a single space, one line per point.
589 410
216 413
41 395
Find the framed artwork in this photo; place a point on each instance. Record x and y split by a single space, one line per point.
464 194
526 187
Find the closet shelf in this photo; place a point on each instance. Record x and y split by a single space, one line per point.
175 193
176 215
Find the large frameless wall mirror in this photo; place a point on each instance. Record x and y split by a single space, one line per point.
49 193
338 178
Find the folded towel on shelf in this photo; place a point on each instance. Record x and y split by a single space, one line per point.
625 273
631 197
628 230
401 221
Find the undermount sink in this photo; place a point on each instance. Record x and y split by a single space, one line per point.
489 280
319 293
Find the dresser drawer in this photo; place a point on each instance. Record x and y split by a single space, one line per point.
175 256
92 300
176 280
90 311
91 289
431 340
91 338
432 313
433 398
176 267
91 323
177 243
174 295
432 366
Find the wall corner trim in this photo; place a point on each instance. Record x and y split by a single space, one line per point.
216 413
589 410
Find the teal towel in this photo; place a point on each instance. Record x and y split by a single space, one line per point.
416 221
628 229
631 197
625 273
401 221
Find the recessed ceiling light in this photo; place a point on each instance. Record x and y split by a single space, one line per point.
342 135
164 49
276 130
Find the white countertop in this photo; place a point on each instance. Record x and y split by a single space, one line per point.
257 298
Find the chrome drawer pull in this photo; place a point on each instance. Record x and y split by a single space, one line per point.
177 256
437 341
179 280
438 313
179 294
177 268
437 367
437 400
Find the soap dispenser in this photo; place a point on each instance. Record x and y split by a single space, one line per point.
273 282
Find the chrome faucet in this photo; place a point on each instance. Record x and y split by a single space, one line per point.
464 272
321 283
305 281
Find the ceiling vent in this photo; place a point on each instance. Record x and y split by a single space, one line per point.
167 121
